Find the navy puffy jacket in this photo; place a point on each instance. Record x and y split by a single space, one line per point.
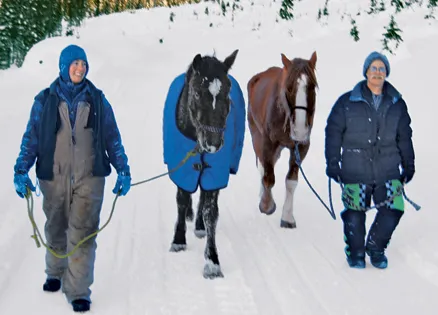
369 144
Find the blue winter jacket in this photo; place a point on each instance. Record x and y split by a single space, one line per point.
370 144
39 139
176 145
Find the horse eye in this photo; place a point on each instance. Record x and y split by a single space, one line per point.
197 95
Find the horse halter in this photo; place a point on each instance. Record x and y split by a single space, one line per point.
212 129
300 107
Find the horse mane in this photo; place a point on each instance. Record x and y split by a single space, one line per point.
212 58
189 73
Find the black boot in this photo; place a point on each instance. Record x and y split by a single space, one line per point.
378 259
354 237
52 285
380 234
80 305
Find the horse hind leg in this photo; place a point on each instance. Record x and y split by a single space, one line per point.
271 154
210 213
257 146
184 202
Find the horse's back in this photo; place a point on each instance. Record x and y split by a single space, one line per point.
264 78
261 93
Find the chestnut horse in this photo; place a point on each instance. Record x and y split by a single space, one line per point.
280 115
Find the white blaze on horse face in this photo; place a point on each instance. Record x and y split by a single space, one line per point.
214 88
300 130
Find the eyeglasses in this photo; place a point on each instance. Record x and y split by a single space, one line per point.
375 69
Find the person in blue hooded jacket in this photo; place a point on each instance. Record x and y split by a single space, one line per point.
73 136
368 139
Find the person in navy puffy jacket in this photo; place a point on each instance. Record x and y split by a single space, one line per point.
370 125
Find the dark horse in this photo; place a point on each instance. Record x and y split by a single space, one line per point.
201 115
280 115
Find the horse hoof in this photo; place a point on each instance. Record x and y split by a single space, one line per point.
200 233
177 247
212 271
268 211
288 225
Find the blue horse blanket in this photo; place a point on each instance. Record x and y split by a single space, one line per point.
176 145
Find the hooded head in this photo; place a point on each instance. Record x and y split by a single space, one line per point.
375 56
68 55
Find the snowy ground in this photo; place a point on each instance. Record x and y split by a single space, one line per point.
267 270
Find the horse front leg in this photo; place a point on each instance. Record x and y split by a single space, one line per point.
199 223
287 217
266 168
184 202
210 212
189 214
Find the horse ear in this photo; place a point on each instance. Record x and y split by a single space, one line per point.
313 60
196 62
286 62
229 61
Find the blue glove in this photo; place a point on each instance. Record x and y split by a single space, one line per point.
22 182
123 183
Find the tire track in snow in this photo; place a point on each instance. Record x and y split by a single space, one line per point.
22 289
111 290
329 287
183 289
281 279
146 276
13 256
166 282
233 295
252 273
15 233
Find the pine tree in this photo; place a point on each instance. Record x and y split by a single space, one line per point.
106 7
373 7
398 4
392 34
96 4
19 34
325 11
431 6
354 32
286 11
74 11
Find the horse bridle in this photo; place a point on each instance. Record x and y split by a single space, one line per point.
300 107
212 129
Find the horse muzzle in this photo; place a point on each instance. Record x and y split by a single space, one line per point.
302 136
210 139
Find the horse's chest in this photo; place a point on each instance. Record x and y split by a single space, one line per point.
282 136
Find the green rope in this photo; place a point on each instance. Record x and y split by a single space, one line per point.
37 235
